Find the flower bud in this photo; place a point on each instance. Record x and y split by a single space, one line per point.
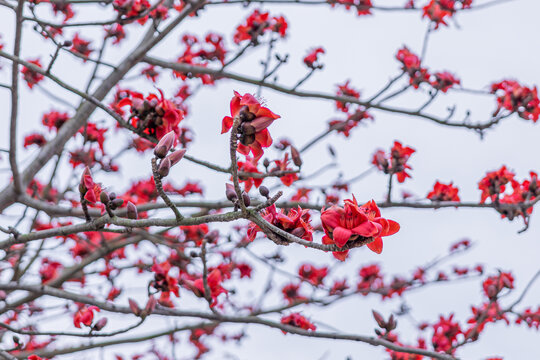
295 155
112 195
392 323
176 156
132 211
230 193
266 162
84 179
134 307
261 123
104 198
165 144
100 324
379 319
67 43
150 305
116 203
263 190
246 198
164 167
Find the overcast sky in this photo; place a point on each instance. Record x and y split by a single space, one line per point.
480 47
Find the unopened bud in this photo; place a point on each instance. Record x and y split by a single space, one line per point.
165 144
246 198
266 162
150 305
261 123
116 203
67 43
134 307
295 155
132 211
392 323
16 339
164 167
230 193
100 324
379 319
104 198
263 190
176 156
112 195
82 187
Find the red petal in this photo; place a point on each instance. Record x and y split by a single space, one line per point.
366 229
331 217
263 137
341 236
376 245
341 255
226 124
393 227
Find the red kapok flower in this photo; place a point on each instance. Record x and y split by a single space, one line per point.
254 120
30 76
85 316
297 320
494 183
311 59
352 221
295 222
443 192
517 98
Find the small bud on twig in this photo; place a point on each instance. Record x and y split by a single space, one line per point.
100 324
164 167
263 190
164 145
295 155
230 193
132 211
176 156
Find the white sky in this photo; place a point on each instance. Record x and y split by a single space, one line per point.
489 45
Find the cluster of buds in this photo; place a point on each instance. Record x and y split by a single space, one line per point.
388 326
231 195
148 309
111 202
161 151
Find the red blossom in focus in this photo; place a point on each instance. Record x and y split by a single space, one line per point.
253 122
351 222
